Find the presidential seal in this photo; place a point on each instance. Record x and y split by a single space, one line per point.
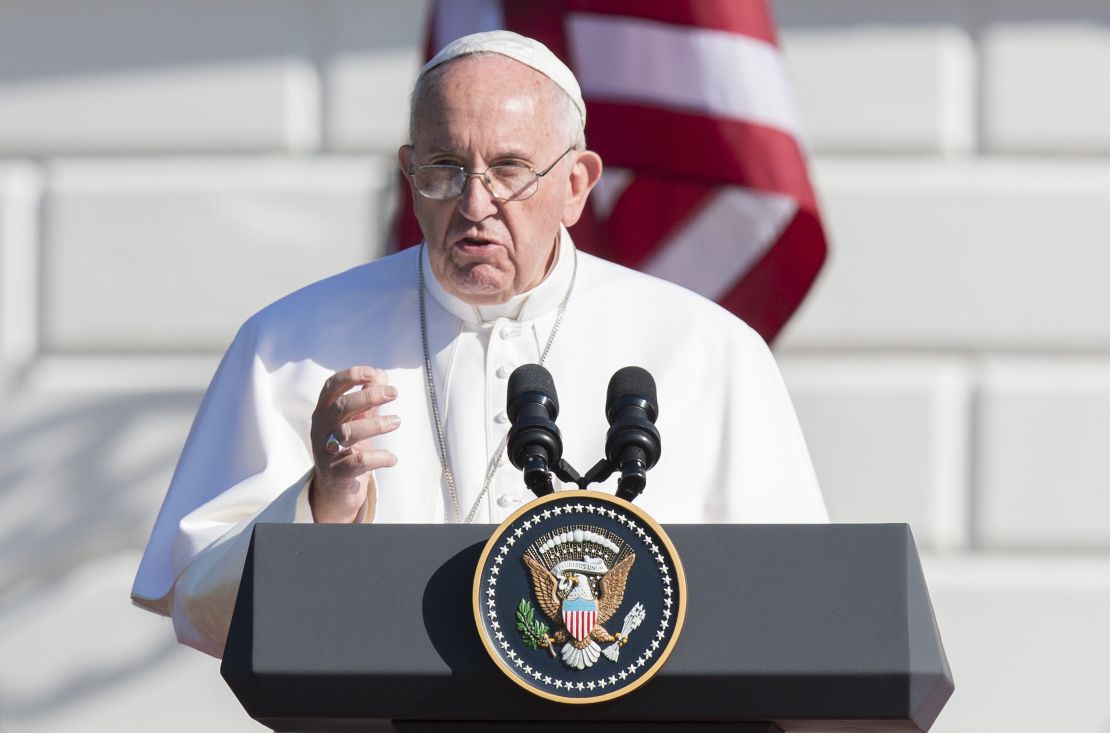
579 597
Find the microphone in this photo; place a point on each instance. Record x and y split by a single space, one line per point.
632 444
534 441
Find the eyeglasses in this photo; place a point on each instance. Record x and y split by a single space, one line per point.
506 182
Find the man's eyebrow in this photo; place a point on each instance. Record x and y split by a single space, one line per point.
508 153
515 155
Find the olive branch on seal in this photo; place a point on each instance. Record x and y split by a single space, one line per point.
532 630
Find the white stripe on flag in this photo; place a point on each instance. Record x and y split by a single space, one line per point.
609 189
462 17
728 235
703 70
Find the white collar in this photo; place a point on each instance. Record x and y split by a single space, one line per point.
527 306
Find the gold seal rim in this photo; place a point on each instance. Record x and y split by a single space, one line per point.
680 579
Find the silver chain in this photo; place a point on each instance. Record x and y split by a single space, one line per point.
495 460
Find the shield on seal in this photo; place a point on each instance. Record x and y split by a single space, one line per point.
579 615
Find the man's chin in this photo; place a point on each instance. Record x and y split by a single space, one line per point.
478 291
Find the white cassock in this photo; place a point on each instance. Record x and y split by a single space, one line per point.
732 448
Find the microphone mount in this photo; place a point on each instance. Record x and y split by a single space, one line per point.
535 446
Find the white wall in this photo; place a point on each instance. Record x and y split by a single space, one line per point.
167 168
952 366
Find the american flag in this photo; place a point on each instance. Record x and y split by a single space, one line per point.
689 105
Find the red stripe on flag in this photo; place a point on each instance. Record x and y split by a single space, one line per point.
775 286
744 17
699 148
647 213
546 25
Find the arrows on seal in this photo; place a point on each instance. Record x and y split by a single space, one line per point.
634 618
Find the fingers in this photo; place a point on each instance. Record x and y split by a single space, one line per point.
352 418
353 463
366 400
346 379
353 432
337 403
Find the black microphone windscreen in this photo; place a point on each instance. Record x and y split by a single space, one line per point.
531 378
631 381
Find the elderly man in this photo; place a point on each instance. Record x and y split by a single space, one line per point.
414 351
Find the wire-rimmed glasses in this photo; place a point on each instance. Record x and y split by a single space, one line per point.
505 181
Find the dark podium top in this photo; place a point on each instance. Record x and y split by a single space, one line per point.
338 626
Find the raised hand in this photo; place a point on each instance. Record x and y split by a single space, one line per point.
344 424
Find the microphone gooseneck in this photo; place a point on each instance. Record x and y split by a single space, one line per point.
534 442
632 444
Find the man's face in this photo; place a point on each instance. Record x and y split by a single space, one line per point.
481 111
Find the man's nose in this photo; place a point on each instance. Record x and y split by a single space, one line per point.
476 202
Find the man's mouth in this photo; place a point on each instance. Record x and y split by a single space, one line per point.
475 245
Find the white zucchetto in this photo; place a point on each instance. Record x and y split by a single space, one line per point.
527 51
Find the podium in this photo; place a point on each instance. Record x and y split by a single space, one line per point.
788 627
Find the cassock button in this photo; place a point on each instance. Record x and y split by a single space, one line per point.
509 332
504 372
501 418
507 501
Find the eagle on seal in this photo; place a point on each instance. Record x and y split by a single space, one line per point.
571 602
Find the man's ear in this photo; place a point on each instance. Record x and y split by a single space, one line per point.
583 177
404 158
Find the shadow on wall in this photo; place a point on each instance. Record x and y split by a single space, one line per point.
79 686
82 476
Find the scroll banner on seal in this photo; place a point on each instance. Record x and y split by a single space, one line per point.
689 105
